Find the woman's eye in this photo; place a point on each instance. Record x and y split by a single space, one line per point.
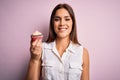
67 19
56 19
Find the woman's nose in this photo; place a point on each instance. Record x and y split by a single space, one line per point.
62 22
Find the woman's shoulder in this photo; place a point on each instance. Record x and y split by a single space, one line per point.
85 51
76 46
85 55
79 47
47 45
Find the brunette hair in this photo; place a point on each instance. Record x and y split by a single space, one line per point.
52 34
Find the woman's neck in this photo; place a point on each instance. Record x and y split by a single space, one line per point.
62 44
62 41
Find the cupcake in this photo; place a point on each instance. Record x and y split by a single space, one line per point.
36 35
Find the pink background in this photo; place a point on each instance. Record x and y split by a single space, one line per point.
98 23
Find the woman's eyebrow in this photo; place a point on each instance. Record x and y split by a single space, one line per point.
60 17
66 16
56 17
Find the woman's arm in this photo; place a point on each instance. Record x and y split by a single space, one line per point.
34 68
85 72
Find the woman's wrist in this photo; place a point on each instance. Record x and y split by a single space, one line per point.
34 60
35 57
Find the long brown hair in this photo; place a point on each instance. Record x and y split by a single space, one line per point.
52 34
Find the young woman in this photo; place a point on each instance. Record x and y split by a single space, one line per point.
61 57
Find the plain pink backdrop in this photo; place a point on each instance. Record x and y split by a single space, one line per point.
98 24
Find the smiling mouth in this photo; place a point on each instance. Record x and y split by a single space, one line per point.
62 29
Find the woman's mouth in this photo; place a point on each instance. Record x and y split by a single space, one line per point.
62 29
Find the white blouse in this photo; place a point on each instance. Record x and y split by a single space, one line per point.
67 67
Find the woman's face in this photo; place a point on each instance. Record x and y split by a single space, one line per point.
62 23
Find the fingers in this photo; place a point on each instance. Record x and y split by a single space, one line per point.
36 53
39 43
35 43
36 46
36 50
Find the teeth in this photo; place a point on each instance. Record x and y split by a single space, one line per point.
62 29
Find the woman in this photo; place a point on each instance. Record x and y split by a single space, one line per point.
61 57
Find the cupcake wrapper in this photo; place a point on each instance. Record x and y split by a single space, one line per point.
33 38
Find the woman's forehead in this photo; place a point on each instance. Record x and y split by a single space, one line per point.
62 12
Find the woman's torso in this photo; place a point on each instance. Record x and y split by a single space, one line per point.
67 67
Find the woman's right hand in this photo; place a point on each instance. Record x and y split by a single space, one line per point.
36 49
